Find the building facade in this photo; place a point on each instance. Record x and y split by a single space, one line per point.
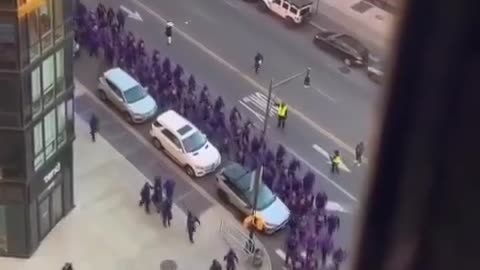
36 121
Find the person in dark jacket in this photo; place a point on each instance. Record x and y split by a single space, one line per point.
333 223
219 104
110 16
157 196
293 166
321 200
280 155
231 259
145 197
292 245
339 256
93 123
258 59
192 84
167 214
169 187
215 265
169 32
308 182
359 149
326 246
192 222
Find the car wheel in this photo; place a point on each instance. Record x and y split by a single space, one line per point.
157 144
190 171
347 62
129 118
102 95
262 6
223 196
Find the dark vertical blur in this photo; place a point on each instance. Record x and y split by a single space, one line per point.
423 209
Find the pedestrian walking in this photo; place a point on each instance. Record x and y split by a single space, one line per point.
192 222
93 123
282 114
231 259
359 149
335 161
339 256
67 266
258 60
121 20
169 32
145 197
215 265
167 214
292 244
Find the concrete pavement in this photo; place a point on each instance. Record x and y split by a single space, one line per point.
107 230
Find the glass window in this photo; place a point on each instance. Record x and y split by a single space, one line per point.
293 10
265 197
59 66
46 21
8 45
38 145
36 85
48 80
135 94
57 204
58 18
61 119
3 230
194 142
33 35
50 131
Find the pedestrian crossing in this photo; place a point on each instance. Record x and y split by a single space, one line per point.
256 103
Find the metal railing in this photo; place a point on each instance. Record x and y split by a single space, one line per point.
238 239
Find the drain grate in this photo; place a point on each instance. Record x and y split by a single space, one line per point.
361 7
168 265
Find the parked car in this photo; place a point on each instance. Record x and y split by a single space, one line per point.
127 95
376 70
351 51
294 12
234 185
185 144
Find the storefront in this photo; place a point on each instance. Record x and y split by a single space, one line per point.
31 211
50 196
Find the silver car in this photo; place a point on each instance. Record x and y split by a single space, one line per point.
234 185
125 93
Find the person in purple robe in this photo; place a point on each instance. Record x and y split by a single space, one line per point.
298 262
338 257
204 95
320 220
293 166
94 41
280 155
255 146
155 58
240 156
311 263
141 51
268 178
109 54
192 84
333 223
101 11
291 248
247 127
326 247
321 200
167 66
121 19
178 72
110 16
234 117
311 245
169 187
219 104
308 182
269 158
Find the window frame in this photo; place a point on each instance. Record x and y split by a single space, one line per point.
48 94
50 146
61 135
38 156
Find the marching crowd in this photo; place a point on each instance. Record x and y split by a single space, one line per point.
311 227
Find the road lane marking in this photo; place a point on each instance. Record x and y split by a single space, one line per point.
258 115
324 153
281 253
332 206
246 77
333 183
323 93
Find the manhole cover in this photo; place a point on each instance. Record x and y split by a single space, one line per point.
361 7
344 69
168 265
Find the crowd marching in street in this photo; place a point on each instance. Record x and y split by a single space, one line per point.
311 227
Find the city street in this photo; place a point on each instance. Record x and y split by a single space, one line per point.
335 113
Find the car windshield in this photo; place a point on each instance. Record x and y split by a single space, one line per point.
265 197
135 94
194 142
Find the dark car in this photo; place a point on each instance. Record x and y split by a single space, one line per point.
351 51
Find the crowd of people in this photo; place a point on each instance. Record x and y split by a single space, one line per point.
311 227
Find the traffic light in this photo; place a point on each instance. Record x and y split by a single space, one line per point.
306 81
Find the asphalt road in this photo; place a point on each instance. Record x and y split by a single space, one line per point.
340 103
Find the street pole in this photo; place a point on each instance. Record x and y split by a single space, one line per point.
267 111
256 187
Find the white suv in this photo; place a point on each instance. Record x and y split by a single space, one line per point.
185 144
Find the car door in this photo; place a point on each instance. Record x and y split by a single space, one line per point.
236 196
172 146
115 95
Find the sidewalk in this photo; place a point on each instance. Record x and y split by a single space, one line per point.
372 25
107 230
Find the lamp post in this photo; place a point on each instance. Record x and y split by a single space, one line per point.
259 174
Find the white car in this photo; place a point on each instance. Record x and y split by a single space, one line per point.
185 144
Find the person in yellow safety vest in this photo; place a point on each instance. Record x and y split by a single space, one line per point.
282 114
336 160
257 222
